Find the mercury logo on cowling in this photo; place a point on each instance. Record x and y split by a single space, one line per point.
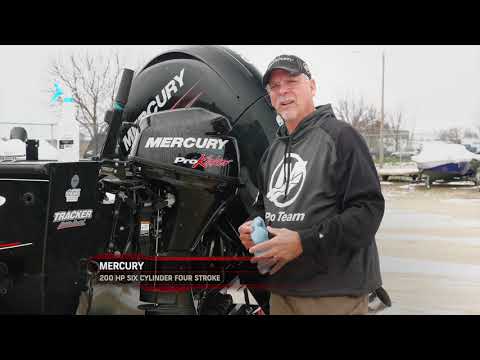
187 143
171 88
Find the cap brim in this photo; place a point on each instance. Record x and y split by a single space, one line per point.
267 75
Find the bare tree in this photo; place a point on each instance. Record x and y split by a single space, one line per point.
347 110
355 113
470 133
91 80
395 124
364 118
453 135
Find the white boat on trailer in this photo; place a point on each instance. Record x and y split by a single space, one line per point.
447 162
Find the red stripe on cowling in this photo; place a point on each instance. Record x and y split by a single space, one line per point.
184 95
194 99
10 244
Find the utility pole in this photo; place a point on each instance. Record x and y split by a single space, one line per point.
383 112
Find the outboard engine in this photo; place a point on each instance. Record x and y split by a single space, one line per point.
183 162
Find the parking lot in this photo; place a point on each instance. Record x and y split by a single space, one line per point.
429 244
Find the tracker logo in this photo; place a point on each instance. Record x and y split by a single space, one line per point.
203 162
180 142
72 218
154 106
278 183
2 200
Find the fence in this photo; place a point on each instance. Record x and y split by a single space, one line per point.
397 145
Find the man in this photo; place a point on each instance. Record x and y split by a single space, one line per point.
320 193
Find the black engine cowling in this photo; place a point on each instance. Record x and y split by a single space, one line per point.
216 79
189 153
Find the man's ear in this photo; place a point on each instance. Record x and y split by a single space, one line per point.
313 85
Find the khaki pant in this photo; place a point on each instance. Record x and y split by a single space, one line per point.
338 305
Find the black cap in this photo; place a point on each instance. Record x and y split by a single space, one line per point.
291 63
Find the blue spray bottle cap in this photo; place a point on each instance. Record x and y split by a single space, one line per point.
259 230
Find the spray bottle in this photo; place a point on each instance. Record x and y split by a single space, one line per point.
259 234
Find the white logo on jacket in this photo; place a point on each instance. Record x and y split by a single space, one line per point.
277 184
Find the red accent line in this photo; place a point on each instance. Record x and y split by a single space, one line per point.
194 99
175 268
171 258
197 271
11 244
173 107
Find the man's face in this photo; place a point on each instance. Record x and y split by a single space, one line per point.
291 95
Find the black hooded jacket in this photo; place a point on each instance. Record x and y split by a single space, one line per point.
321 182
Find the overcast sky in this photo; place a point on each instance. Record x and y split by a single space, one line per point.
436 87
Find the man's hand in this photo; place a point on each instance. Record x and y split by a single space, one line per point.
245 230
284 247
